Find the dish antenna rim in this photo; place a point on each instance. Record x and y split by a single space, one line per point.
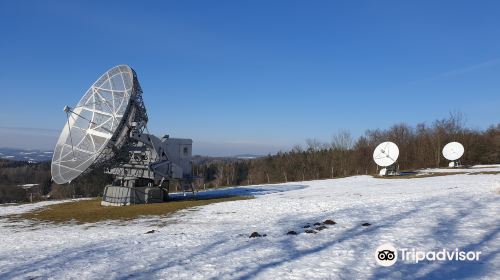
386 154
97 126
453 151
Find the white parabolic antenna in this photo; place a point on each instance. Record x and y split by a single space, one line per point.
94 127
386 154
453 151
108 129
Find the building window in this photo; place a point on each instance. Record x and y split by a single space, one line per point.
185 151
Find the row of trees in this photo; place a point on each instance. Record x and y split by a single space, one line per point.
15 174
420 147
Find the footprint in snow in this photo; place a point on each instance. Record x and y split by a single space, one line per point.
320 228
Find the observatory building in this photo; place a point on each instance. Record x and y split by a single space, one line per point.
108 128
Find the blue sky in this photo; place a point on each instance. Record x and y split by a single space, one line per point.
252 76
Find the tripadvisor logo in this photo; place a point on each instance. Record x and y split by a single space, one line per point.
387 255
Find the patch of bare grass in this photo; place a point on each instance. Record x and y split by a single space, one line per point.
91 211
485 173
420 175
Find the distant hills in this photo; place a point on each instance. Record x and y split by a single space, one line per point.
25 155
247 156
43 155
200 160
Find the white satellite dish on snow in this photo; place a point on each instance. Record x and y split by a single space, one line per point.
452 152
107 128
385 155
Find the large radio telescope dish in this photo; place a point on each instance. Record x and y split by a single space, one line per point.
453 151
386 154
97 124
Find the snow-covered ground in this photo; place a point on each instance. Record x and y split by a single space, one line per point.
9 209
212 242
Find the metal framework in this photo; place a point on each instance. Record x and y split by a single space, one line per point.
108 128
94 127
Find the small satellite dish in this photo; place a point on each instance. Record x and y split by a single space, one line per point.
385 155
452 152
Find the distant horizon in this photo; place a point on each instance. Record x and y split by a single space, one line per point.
194 155
226 149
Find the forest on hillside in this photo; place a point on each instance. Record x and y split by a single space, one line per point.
420 147
16 174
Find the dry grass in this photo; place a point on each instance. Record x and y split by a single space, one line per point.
486 173
482 167
413 176
436 174
91 211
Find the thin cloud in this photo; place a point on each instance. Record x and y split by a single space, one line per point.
472 68
459 71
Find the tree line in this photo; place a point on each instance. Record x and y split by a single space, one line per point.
420 147
15 174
